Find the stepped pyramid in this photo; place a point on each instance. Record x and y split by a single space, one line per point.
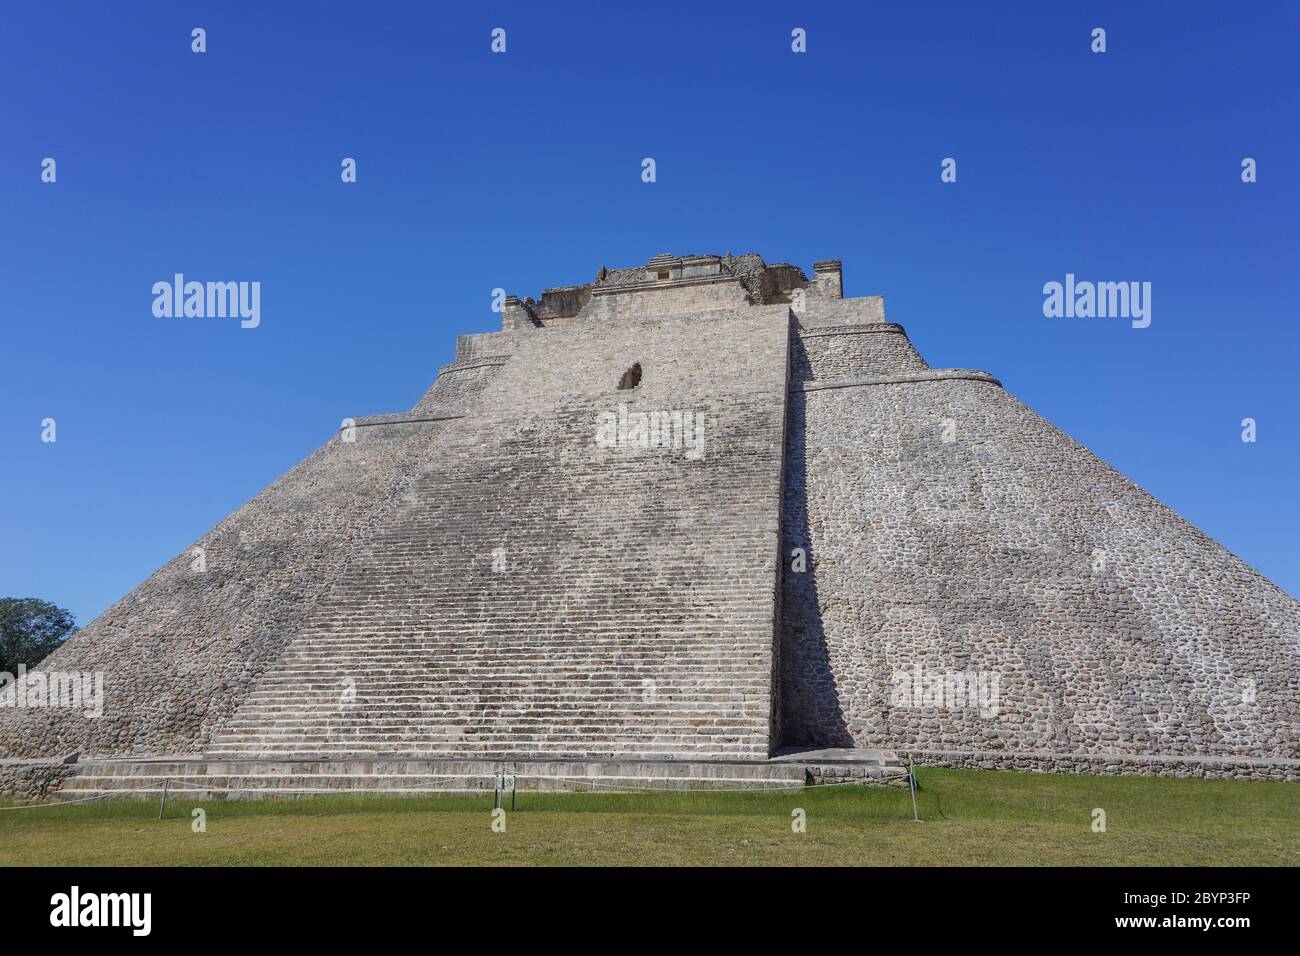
707 510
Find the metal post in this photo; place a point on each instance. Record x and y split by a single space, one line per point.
911 782
512 790
162 803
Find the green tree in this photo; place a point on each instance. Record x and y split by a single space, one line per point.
29 630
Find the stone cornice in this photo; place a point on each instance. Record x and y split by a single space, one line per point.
908 378
398 418
487 361
862 328
651 284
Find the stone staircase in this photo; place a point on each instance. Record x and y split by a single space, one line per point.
372 694
619 617
625 611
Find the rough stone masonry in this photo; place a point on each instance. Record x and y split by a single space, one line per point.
866 553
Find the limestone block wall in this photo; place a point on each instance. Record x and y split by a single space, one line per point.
706 295
832 353
32 779
858 310
951 531
483 344
458 385
828 279
539 593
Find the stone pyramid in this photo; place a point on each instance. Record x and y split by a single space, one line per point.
702 509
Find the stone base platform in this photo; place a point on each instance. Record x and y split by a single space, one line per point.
410 775
1212 767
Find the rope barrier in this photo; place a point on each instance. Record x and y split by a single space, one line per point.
59 803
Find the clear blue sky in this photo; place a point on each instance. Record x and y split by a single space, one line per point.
522 171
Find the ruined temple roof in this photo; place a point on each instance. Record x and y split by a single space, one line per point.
748 267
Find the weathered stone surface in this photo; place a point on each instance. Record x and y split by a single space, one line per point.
33 779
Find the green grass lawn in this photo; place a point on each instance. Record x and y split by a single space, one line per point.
971 817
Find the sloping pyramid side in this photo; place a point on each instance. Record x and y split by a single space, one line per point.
954 535
480 575
181 650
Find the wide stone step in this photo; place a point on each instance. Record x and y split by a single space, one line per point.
454 694
540 743
363 668
602 709
414 701
456 766
585 652
537 669
572 704
380 745
511 691
583 724
217 778
329 713
576 750
235 787
493 683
